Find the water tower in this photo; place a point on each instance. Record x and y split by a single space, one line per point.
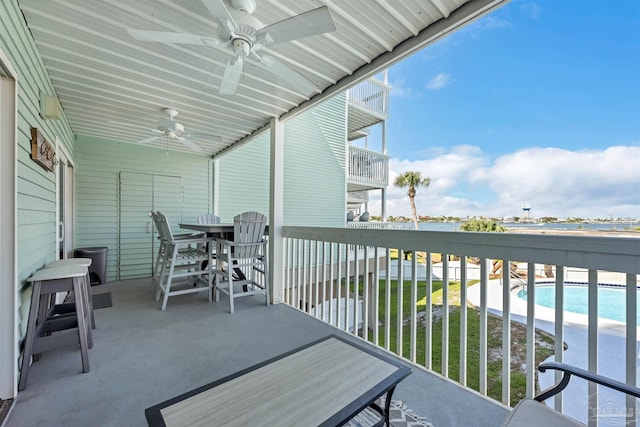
526 209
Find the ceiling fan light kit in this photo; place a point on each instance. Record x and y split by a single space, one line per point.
245 38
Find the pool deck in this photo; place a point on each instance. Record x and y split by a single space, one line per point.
611 345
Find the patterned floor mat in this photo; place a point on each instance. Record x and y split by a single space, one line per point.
400 416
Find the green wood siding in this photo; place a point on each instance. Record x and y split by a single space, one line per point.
244 179
315 175
99 166
36 198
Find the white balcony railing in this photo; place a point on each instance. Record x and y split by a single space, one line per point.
381 225
357 196
330 271
368 167
372 95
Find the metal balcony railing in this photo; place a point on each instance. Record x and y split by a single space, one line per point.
372 95
368 167
329 272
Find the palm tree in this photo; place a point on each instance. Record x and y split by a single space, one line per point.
412 180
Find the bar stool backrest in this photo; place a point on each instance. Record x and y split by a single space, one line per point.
248 227
163 227
208 219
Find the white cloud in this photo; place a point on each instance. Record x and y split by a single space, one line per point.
439 81
401 90
532 10
554 182
491 21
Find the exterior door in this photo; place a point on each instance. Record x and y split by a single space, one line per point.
141 193
64 185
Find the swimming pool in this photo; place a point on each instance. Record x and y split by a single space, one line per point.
611 300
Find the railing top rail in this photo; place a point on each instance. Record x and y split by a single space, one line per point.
373 81
619 254
368 151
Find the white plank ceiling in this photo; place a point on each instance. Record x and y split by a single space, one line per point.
113 86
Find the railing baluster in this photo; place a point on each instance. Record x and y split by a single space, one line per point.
400 315
559 331
428 314
484 281
530 388
347 291
323 263
445 315
592 342
414 304
632 346
376 295
305 300
316 270
387 302
365 298
296 296
331 282
463 320
339 287
286 277
506 332
356 287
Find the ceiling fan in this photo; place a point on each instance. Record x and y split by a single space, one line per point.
170 129
245 37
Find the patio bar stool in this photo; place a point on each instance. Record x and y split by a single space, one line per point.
47 332
70 307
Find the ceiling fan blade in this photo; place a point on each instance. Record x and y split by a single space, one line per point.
150 139
205 136
311 23
170 37
286 74
189 144
219 10
231 76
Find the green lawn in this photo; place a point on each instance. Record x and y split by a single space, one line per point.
473 327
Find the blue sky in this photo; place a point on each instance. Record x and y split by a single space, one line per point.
537 103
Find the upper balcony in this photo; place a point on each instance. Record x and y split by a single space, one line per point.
368 105
367 169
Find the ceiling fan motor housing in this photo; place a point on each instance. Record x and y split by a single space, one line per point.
170 126
245 28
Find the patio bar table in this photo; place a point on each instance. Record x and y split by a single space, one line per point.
222 229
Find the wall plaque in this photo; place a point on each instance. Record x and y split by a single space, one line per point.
42 152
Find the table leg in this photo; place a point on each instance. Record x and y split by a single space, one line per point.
387 405
386 412
32 324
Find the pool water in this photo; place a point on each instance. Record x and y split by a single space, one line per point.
611 301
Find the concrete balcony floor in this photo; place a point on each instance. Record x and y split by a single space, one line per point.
143 356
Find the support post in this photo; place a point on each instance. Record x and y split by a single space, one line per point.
276 211
215 203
